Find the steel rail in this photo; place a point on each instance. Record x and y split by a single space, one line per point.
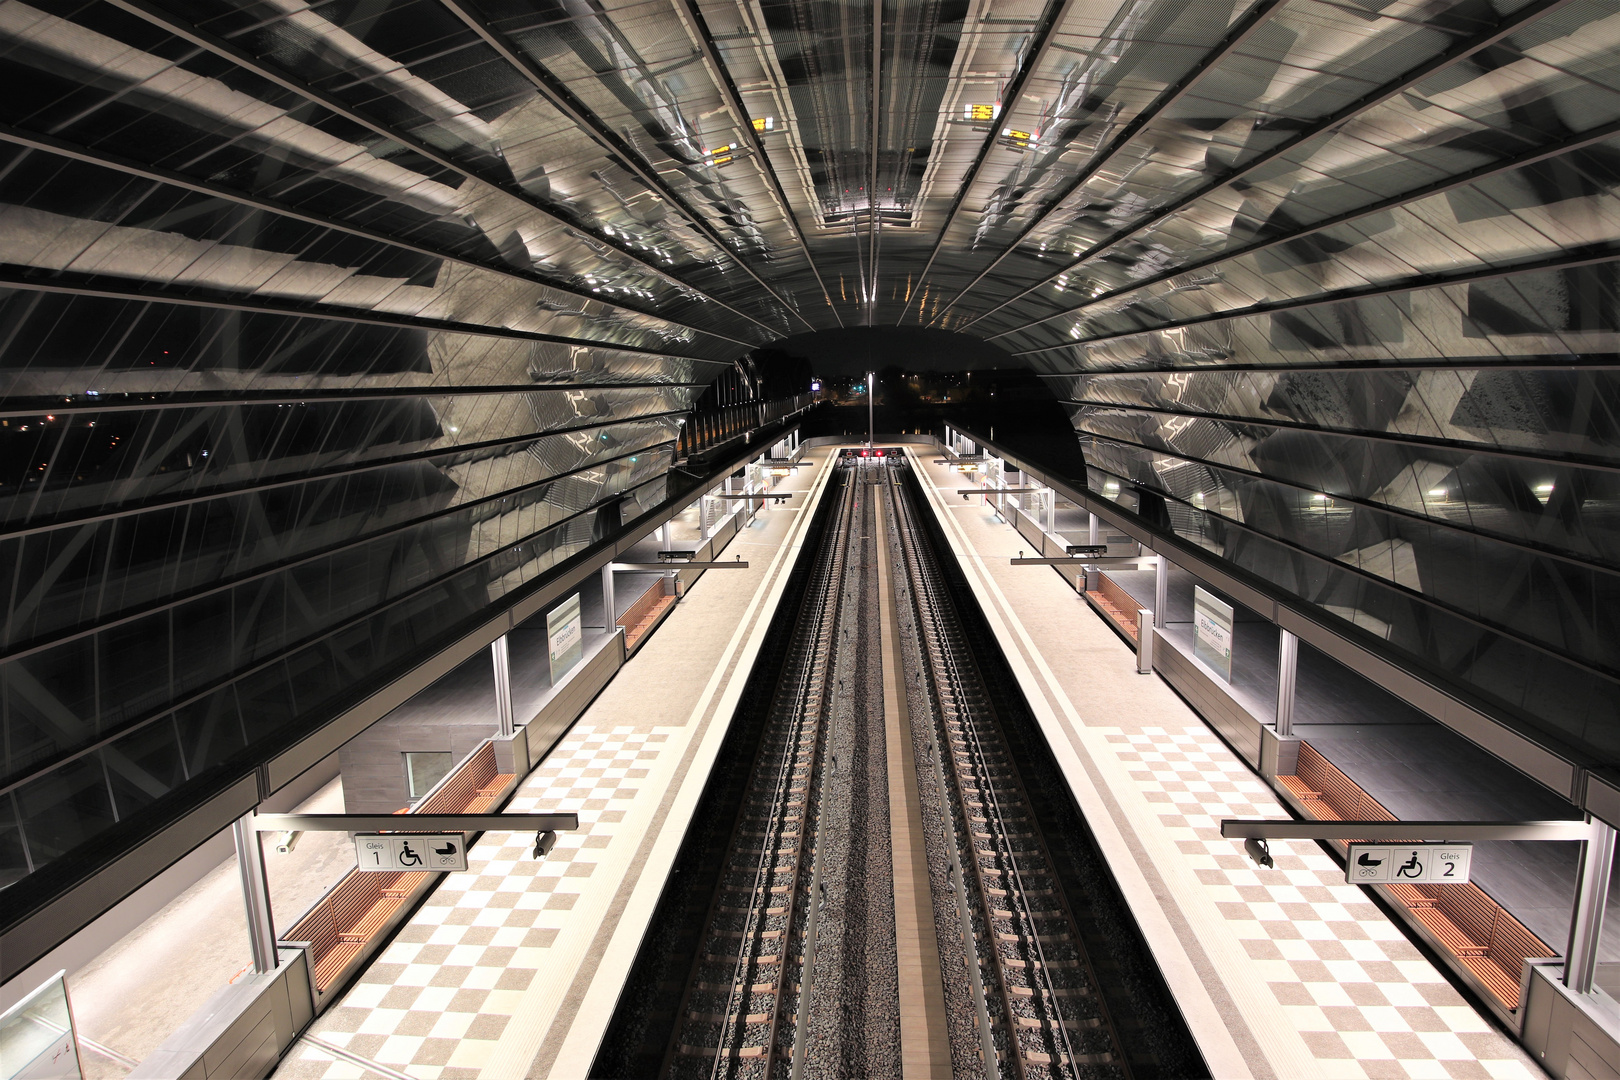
953 675
806 680
953 695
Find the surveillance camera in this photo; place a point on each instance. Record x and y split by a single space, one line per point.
543 843
1259 851
287 841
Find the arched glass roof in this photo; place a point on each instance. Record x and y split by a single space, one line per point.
326 325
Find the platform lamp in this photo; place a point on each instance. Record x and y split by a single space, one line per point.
871 396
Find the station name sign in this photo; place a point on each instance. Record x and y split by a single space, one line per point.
378 852
1408 864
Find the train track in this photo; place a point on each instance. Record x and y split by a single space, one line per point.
791 976
1037 1000
732 1016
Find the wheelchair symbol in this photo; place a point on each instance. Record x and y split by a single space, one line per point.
1411 868
407 857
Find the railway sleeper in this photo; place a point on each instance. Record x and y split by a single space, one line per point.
1083 1024
715 1051
1034 1058
717 1018
1058 992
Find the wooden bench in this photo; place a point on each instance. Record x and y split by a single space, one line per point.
359 907
1483 937
1118 603
1297 788
1410 896
333 961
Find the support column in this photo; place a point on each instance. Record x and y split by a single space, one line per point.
1591 897
1091 531
1287 678
1144 641
255 895
503 687
666 533
1161 590
609 598
1051 511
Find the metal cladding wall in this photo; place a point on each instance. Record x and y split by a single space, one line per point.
324 328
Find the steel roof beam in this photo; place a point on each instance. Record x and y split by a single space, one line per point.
1536 155
63 148
1418 283
95 287
202 39
565 102
1584 562
734 101
1056 12
1240 32
219 585
1330 563
329 396
1455 55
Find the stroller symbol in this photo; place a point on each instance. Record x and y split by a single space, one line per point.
1411 867
407 857
448 849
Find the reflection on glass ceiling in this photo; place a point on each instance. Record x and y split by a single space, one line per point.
323 326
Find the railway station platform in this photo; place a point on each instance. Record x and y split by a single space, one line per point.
1286 973
512 968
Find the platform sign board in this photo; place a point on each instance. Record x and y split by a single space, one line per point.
37 1040
1212 626
1408 864
564 637
379 852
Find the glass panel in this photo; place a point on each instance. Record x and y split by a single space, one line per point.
423 769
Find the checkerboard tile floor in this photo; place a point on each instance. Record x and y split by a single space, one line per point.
1361 995
435 1001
